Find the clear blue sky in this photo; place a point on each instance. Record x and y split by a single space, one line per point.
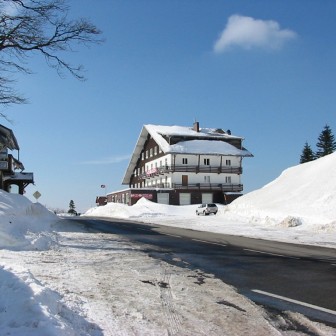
265 69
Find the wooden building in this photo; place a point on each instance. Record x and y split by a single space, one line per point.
183 165
11 169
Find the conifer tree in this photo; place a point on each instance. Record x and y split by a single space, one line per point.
326 142
307 154
72 207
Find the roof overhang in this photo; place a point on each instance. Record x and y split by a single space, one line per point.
8 139
136 155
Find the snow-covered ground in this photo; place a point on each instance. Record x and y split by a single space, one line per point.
58 279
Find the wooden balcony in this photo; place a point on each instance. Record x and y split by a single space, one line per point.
210 186
190 169
8 164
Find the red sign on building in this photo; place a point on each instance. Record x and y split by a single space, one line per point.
148 196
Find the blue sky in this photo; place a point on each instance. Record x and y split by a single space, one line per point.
265 69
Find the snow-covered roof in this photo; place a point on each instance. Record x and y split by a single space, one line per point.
158 132
207 147
20 177
206 141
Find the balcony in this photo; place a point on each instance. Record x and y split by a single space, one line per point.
190 169
210 186
8 164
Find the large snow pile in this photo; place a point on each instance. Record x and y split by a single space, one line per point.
24 225
303 194
141 210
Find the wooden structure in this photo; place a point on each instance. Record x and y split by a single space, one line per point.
9 166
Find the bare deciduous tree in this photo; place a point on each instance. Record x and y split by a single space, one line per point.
43 27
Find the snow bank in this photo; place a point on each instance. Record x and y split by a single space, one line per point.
301 195
24 225
142 209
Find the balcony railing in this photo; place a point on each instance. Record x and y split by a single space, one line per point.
190 169
210 186
8 164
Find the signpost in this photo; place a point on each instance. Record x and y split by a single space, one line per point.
37 195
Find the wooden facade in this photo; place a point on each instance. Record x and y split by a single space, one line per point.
172 196
11 169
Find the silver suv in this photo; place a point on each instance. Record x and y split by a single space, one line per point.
206 209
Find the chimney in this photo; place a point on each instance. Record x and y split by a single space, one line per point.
196 126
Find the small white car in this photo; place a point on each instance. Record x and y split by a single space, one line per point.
207 209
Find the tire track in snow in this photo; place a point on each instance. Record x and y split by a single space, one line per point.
173 317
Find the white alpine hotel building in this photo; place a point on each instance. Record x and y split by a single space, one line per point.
183 165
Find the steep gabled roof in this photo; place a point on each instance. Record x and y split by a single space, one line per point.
7 138
207 141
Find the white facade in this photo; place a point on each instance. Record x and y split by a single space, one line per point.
202 169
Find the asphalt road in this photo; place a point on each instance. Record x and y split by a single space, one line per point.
276 275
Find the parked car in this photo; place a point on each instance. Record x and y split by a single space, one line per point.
206 209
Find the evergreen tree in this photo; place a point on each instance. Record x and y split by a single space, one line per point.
72 207
326 142
307 154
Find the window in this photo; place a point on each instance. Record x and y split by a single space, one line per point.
146 154
206 179
228 162
207 162
151 152
155 150
184 161
227 179
142 156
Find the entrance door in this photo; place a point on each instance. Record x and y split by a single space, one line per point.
184 180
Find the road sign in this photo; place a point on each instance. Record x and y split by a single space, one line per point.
37 195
